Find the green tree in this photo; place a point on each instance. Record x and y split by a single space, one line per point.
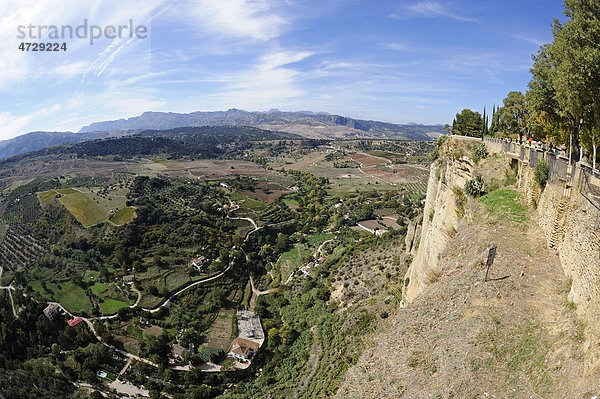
468 123
513 115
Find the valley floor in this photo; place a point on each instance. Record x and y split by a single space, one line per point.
512 337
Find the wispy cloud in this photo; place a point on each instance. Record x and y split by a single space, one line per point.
251 19
13 125
431 9
398 47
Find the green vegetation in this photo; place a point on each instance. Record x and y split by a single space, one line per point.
506 204
475 187
98 288
123 216
66 191
47 196
438 146
83 209
346 164
71 296
468 123
112 306
480 152
541 172
519 353
557 108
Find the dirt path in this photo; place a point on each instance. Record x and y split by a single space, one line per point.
256 293
9 288
206 280
124 369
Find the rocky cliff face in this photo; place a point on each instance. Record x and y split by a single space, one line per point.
440 222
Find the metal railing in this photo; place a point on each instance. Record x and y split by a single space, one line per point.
560 172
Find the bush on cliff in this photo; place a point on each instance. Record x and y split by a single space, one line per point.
475 187
541 173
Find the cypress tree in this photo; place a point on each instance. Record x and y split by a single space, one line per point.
483 123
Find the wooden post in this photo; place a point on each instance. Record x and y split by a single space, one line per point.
490 261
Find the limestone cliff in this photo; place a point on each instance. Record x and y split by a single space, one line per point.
440 221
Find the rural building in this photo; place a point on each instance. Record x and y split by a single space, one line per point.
243 349
177 352
51 310
372 226
75 323
128 279
199 262
321 259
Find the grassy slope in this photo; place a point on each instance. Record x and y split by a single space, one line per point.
123 216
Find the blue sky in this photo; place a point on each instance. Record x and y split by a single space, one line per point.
397 61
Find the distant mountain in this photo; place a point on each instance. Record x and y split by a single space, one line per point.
37 140
304 123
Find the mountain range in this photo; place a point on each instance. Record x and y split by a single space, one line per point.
304 123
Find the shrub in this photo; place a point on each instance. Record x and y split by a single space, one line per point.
475 187
438 145
480 152
541 173
384 315
460 200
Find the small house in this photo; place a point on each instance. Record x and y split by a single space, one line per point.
243 349
178 352
128 279
75 323
51 310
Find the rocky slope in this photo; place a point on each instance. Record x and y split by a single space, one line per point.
523 333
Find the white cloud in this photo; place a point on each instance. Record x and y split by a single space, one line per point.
430 9
252 19
14 125
270 82
71 69
282 58
398 47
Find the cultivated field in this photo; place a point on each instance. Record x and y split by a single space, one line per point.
83 209
219 334
123 216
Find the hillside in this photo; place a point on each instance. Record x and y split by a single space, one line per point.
37 140
307 124
529 331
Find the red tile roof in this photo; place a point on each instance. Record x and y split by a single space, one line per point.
75 321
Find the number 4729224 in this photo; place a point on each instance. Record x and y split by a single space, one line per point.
43 46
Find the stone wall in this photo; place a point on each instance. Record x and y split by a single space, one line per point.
569 225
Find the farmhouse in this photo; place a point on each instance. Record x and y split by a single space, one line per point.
199 262
128 279
243 349
51 310
177 353
75 323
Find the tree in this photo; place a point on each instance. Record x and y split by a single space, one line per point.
514 115
565 81
468 123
